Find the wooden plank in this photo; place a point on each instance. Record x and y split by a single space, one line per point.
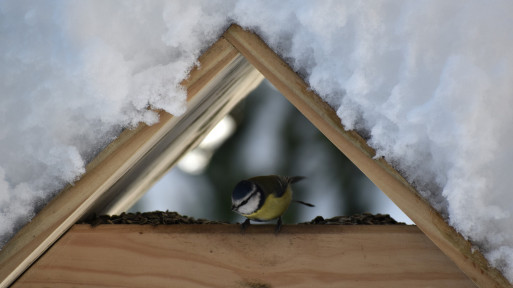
204 111
356 149
94 192
220 256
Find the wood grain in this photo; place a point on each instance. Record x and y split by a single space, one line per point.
219 256
215 85
356 149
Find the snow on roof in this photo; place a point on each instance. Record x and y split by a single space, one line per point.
428 82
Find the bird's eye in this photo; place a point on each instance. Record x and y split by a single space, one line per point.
244 202
247 199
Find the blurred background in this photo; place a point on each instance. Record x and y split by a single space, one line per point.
264 135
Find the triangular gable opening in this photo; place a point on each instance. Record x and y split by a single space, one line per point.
135 160
272 136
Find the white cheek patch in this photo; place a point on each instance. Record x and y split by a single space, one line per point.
251 206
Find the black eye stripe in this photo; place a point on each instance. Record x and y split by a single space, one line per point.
244 202
247 199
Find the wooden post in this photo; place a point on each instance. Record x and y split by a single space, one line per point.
219 255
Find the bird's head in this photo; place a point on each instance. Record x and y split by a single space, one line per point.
246 197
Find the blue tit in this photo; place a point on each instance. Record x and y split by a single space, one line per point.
264 198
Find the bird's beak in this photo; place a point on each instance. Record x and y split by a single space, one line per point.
233 207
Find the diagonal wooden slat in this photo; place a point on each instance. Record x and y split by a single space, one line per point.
122 172
204 111
405 196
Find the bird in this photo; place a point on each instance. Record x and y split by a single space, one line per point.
264 198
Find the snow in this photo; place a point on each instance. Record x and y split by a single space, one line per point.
72 75
428 82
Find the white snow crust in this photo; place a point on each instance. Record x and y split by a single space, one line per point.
427 82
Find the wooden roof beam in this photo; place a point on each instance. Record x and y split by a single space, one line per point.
405 196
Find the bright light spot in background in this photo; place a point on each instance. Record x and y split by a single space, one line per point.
197 160
219 134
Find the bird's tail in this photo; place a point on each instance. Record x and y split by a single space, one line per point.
295 179
304 203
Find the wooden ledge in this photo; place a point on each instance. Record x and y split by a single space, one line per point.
219 255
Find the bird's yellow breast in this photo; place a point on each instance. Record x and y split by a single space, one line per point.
273 207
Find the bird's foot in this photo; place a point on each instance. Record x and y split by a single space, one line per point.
244 226
278 226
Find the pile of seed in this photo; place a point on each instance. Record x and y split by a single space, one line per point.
356 219
170 218
151 218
